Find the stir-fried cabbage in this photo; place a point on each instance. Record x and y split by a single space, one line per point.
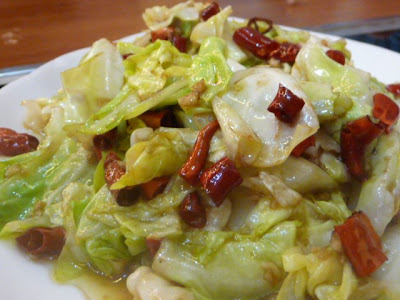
380 194
161 16
127 120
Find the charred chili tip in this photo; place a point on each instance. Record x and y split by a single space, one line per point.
386 110
194 165
192 212
13 143
211 10
253 23
361 244
286 106
337 56
127 196
42 242
303 146
125 56
220 179
154 187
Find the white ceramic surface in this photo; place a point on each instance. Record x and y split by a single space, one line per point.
22 279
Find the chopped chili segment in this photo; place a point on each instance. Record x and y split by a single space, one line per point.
286 105
352 154
113 168
170 34
42 242
220 179
154 187
209 11
303 146
287 52
153 245
394 89
253 41
337 56
354 139
113 171
197 160
361 244
192 212
13 143
365 130
157 119
179 42
253 24
386 110
162 34
105 141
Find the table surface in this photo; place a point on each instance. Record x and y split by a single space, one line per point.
37 31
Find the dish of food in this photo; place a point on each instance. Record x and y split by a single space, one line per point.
207 159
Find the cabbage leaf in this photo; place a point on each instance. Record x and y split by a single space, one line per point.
247 100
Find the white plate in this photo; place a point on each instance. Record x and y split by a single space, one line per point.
22 279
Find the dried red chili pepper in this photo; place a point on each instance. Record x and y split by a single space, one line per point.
197 160
303 146
163 34
286 105
153 245
179 42
365 130
287 52
209 11
113 168
361 244
253 41
386 110
13 143
154 187
105 141
113 171
42 242
253 24
157 119
352 154
220 179
192 211
337 56
263 47
394 89
127 196
170 34
354 139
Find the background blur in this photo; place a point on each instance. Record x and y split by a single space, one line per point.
33 32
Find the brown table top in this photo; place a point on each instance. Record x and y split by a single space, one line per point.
37 31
